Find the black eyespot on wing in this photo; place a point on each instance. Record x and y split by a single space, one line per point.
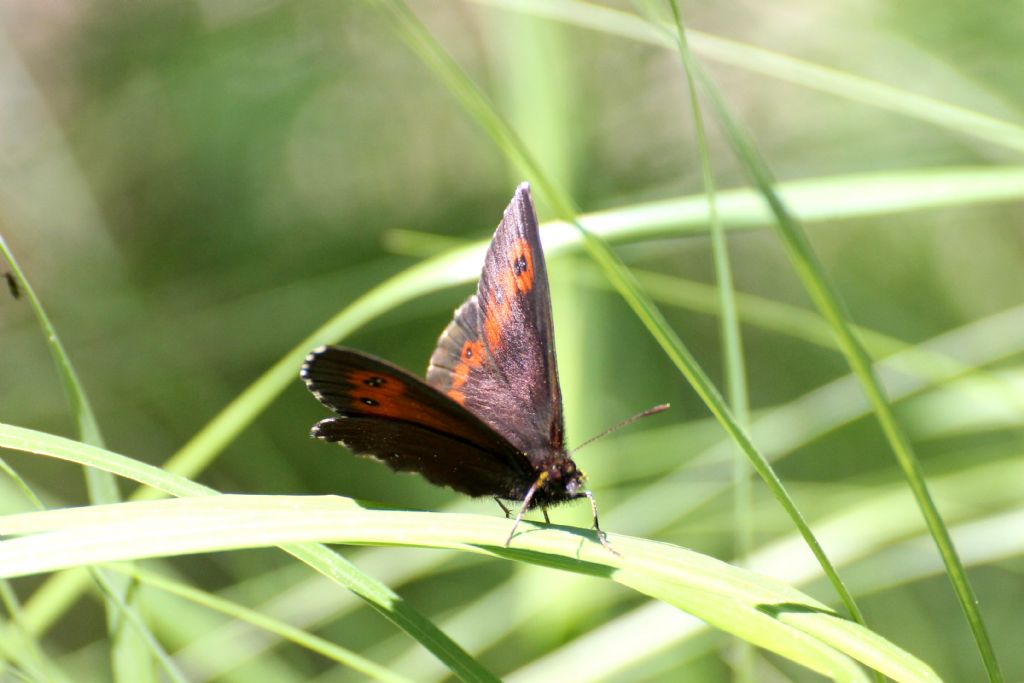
520 266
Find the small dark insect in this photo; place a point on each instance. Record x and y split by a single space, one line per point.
12 285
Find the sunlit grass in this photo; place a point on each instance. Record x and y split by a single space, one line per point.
188 267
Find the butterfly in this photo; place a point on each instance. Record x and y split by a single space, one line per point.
488 419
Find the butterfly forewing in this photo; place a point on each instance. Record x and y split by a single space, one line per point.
396 417
497 356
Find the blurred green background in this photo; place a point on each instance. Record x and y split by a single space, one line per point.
193 187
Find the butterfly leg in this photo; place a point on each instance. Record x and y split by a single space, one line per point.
526 505
508 513
547 520
597 527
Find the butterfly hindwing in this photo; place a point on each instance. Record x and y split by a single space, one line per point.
440 458
497 356
396 417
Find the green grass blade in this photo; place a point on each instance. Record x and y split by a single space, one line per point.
129 648
828 302
286 631
111 590
81 410
917 361
19 646
137 627
778 66
825 200
735 600
732 345
322 559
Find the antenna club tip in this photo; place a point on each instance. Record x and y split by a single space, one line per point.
660 408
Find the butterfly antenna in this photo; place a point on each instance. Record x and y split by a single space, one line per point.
630 420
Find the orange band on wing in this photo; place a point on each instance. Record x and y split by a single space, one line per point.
513 281
471 356
386 396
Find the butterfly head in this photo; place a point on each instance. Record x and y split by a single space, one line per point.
559 481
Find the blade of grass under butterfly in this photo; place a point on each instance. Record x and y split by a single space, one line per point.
735 600
477 106
320 558
829 304
130 644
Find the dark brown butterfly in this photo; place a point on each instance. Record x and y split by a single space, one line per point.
488 419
